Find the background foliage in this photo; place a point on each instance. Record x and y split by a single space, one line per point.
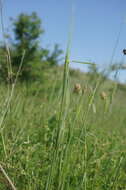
27 30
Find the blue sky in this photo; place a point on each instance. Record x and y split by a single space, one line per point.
96 26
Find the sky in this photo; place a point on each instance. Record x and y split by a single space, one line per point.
95 30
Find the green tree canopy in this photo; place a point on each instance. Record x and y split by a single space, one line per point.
27 30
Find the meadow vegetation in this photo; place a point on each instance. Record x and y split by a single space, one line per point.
64 130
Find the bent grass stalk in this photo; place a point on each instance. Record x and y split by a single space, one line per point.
11 184
4 116
10 93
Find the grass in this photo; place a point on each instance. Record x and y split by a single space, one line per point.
53 138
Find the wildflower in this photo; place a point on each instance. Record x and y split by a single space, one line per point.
77 88
103 95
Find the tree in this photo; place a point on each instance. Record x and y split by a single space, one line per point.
54 58
27 30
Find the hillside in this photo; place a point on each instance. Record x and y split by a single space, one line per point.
71 141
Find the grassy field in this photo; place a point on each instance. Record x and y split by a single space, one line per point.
55 136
